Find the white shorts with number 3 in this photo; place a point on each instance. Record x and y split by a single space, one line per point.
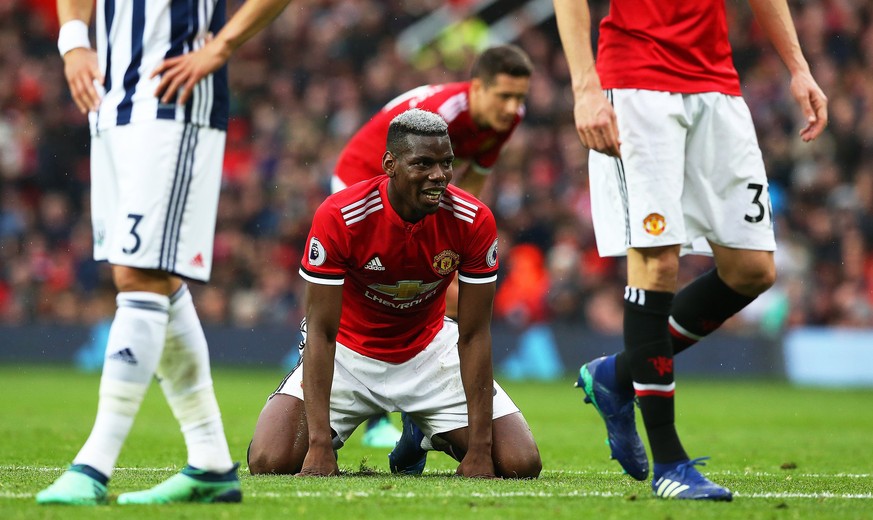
691 171
154 196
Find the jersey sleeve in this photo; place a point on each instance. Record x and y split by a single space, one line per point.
324 261
479 261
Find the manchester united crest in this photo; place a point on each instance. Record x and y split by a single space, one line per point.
654 224
446 262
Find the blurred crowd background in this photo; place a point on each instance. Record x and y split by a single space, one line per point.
306 83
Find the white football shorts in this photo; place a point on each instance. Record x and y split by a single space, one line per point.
336 184
154 196
428 387
691 172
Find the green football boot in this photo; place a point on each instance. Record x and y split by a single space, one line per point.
383 434
190 485
74 487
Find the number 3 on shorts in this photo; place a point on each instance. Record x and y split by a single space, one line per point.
138 240
756 201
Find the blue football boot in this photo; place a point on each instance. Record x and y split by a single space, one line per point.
407 457
682 480
597 380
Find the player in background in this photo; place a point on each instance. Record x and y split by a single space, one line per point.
675 167
482 114
156 94
380 257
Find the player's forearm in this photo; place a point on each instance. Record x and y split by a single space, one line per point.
478 380
574 27
471 180
775 20
75 10
318 361
253 16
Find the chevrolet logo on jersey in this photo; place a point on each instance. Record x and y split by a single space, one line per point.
405 289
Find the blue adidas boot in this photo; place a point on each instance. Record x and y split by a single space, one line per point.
616 408
682 480
407 457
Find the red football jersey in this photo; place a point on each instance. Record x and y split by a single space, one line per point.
395 273
668 46
361 159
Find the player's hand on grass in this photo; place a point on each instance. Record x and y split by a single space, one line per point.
183 72
319 463
475 465
813 103
596 123
82 71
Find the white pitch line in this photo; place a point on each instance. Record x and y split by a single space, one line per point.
496 494
556 472
726 473
16 467
510 494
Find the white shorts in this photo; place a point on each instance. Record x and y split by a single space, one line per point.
428 387
691 171
336 184
154 196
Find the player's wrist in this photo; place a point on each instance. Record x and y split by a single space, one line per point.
222 46
73 35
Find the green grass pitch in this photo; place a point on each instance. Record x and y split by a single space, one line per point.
786 452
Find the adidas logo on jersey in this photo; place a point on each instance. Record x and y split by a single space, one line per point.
374 264
197 261
125 355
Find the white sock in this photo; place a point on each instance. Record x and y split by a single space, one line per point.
136 341
187 384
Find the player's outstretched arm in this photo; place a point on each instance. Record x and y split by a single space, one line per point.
469 179
323 304
595 119
475 302
183 72
775 19
80 60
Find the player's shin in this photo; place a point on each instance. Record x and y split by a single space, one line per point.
135 344
187 384
649 352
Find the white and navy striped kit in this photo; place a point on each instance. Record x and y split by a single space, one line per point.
155 167
134 37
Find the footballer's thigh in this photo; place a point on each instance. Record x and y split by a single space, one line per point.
281 439
430 389
513 449
165 177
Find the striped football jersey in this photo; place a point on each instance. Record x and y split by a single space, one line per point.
133 38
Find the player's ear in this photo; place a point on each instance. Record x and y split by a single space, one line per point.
477 85
388 163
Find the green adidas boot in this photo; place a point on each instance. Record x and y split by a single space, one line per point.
190 485
74 487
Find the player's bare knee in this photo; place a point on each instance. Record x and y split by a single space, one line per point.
763 279
522 465
265 462
655 268
753 279
128 279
